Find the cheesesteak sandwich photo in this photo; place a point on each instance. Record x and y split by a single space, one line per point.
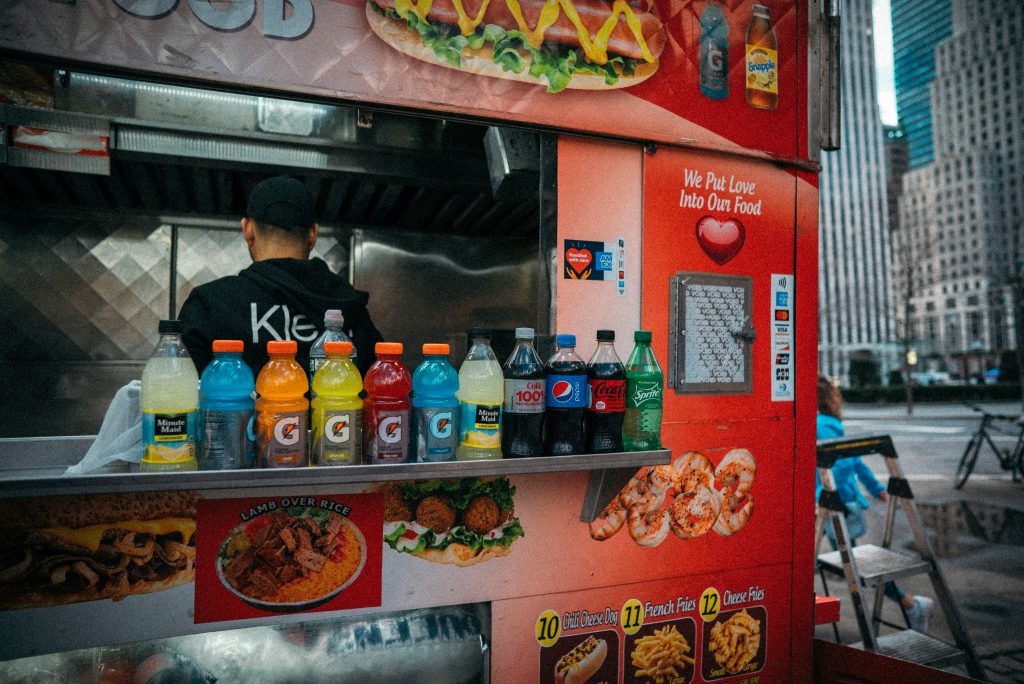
579 44
69 549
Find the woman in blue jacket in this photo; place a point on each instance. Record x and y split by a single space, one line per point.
847 472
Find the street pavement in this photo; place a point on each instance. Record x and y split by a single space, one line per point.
977 531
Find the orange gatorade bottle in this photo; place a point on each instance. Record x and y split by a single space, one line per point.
281 408
762 60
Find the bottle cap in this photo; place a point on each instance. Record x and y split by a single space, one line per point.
524 334
565 340
436 349
388 348
333 316
228 346
763 10
642 336
480 333
169 326
605 335
337 347
282 347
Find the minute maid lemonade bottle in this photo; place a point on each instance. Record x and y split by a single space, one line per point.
281 408
762 62
337 409
170 405
481 395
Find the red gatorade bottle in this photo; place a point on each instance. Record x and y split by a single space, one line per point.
387 408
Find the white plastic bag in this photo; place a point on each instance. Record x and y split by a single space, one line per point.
120 437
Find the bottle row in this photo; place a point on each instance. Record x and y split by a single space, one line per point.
482 411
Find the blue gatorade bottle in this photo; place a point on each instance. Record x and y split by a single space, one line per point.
435 407
226 407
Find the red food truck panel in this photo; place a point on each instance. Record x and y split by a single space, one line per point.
731 626
719 290
695 72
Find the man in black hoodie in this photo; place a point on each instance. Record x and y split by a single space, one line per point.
283 295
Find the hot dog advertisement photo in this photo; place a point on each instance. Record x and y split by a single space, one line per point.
689 629
724 75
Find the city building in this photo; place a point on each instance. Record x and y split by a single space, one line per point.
961 217
917 27
897 163
854 289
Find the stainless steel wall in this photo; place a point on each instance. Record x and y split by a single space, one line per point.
81 295
80 298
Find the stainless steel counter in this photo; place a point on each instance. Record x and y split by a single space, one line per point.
35 467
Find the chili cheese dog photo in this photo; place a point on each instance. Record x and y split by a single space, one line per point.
60 550
581 662
577 44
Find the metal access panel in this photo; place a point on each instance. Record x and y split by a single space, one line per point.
711 335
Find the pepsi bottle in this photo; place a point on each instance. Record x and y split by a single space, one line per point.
523 413
566 398
606 381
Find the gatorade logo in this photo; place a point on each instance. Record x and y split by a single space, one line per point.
390 430
337 428
286 431
561 390
441 425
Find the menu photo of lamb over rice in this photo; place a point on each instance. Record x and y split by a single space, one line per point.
287 554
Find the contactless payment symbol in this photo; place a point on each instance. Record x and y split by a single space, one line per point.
632 616
548 628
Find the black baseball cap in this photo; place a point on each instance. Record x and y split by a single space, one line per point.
282 201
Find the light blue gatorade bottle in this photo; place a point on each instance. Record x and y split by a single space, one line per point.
435 407
226 406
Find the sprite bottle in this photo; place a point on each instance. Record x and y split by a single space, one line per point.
641 427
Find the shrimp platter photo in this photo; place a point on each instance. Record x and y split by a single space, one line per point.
688 498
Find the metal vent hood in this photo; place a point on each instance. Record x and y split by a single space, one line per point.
188 151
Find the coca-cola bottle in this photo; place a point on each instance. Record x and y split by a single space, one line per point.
606 380
524 399
566 397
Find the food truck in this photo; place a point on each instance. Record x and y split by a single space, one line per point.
570 166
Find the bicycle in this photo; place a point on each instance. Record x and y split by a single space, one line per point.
1009 459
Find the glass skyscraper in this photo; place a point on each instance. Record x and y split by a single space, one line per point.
917 27
854 289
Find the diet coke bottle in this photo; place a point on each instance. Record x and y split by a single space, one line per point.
524 399
567 399
606 380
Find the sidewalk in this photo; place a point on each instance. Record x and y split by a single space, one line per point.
928 411
986 577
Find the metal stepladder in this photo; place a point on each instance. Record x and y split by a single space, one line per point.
870 565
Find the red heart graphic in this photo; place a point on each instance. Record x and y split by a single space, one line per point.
721 240
579 259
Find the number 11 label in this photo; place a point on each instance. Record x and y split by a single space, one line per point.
632 616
